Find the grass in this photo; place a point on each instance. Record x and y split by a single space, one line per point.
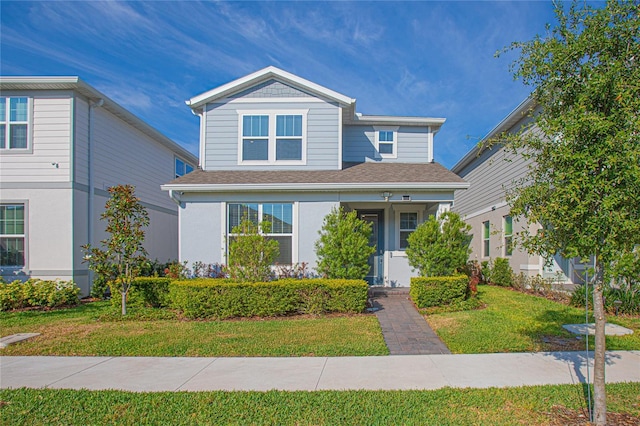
518 322
496 406
93 330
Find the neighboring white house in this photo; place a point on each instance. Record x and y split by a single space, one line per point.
491 171
62 144
278 146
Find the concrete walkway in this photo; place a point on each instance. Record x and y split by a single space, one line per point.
144 374
405 331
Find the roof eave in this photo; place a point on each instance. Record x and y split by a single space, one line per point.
264 74
317 187
433 122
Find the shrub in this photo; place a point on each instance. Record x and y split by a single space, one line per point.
437 291
251 253
208 270
440 247
629 298
146 291
38 293
209 298
501 272
343 247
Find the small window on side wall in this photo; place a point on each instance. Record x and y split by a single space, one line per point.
386 142
408 224
14 123
182 168
486 234
508 236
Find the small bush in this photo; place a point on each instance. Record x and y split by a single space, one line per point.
152 292
251 252
629 298
436 291
220 298
501 272
38 293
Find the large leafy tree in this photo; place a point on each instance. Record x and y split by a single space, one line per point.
584 185
122 255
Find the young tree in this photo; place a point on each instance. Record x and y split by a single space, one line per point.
122 254
251 253
343 247
440 247
584 185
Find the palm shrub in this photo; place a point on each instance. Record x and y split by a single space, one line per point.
440 246
343 247
251 253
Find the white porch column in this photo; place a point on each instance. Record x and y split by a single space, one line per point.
442 208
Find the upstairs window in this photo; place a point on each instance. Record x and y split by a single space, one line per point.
182 168
386 142
12 235
14 123
508 236
273 137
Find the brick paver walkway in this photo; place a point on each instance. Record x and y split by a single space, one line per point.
405 331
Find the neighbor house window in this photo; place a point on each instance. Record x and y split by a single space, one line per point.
14 123
486 233
386 142
272 137
408 224
182 168
279 215
508 236
12 235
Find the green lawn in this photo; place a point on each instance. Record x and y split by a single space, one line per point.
536 405
518 322
91 329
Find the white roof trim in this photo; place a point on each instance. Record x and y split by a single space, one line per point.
316 187
436 123
506 123
17 83
263 75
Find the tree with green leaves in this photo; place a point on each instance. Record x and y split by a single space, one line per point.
122 254
251 253
584 184
440 246
343 248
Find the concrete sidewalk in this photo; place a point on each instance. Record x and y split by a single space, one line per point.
149 374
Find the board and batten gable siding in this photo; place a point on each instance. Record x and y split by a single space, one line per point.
222 133
413 144
48 158
271 89
489 176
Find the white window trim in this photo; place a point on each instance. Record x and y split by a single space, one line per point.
404 209
29 123
488 254
24 235
294 226
504 235
186 163
271 159
377 130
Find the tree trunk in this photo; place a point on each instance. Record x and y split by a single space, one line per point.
124 302
599 391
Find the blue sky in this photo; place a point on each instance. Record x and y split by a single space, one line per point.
426 58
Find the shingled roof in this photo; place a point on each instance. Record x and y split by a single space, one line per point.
360 176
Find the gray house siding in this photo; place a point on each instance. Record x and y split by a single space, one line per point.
221 124
271 89
413 146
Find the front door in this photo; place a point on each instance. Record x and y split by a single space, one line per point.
376 261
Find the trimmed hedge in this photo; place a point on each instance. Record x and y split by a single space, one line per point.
220 298
437 291
145 291
38 293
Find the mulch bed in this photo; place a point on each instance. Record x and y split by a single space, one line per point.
562 416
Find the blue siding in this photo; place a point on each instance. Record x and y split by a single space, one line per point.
271 89
221 149
359 144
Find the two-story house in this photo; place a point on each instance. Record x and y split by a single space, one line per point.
491 172
274 145
62 145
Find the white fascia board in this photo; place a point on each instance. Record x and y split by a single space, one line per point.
503 126
317 187
262 75
433 122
